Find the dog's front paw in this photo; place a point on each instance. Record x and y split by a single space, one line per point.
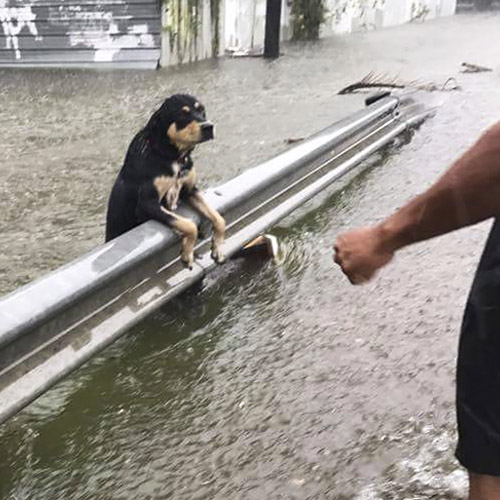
218 255
188 260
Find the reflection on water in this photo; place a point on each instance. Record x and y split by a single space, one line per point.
267 380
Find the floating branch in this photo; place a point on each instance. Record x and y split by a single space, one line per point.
372 81
473 68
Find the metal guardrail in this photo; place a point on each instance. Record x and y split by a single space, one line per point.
53 325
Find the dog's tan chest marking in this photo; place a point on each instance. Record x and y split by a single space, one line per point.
169 187
163 184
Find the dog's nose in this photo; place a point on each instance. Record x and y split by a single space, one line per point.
207 131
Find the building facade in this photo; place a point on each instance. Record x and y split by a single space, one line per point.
149 33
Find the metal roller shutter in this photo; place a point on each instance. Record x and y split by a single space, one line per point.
118 33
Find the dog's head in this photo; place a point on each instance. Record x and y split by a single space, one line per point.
181 121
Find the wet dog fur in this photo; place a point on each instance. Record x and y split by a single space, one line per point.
158 171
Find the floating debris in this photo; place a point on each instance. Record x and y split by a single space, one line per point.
248 52
265 245
473 68
371 81
293 140
448 86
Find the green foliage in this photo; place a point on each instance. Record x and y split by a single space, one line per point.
307 18
193 17
215 17
183 26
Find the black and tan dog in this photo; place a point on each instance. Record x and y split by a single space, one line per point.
158 171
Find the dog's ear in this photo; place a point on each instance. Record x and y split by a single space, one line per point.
154 121
158 124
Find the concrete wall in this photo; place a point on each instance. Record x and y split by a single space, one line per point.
245 19
192 30
353 15
245 22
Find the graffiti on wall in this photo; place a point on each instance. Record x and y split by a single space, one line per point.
101 31
107 46
14 20
79 32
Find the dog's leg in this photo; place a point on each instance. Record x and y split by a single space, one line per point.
189 232
150 208
197 201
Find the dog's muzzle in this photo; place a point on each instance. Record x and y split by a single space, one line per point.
207 131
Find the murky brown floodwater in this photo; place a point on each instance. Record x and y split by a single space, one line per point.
273 381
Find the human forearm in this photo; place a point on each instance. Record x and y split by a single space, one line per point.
467 193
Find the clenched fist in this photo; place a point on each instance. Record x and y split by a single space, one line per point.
361 253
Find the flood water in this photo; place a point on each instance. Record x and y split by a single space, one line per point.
273 380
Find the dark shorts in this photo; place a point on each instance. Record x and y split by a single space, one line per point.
478 369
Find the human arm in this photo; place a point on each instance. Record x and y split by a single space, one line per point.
467 193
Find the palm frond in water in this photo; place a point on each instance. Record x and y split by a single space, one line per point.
372 80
